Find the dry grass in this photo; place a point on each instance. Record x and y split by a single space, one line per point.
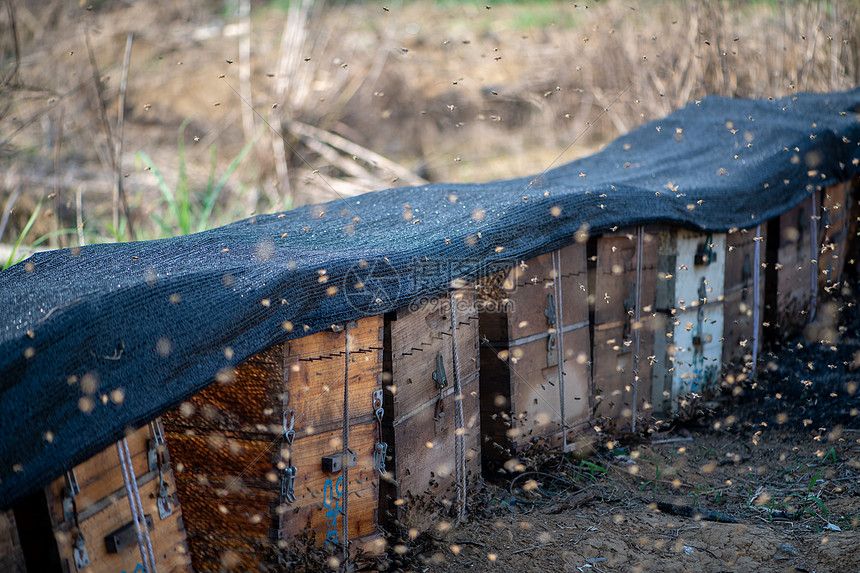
446 91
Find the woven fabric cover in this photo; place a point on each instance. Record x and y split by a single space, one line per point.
99 339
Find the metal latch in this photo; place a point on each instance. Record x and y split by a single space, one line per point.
155 444
380 450
72 490
165 506
376 399
82 558
552 341
705 254
439 415
439 375
289 423
288 479
334 463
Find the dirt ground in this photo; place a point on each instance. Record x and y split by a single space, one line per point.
786 519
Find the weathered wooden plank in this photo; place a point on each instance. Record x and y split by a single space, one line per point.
103 508
417 338
519 379
414 416
613 372
11 553
232 457
794 266
101 475
315 489
531 283
689 326
536 391
739 298
422 448
834 226
314 376
615 326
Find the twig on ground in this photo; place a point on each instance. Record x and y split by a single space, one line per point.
532 548
467 542
671 440
690 511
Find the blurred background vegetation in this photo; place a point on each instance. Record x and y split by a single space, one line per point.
127 120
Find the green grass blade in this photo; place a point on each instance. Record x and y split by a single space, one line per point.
183 199
23 234
212 194
166 192
56 233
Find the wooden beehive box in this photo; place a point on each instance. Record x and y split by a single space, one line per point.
791 272
836 224
535 353
622 380
688 338
420 403
740 334
11 552
94 495
229 442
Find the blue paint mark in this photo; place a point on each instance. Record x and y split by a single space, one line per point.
333 500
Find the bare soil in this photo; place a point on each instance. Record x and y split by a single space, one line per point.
614 523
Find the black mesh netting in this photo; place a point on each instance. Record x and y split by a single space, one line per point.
158 320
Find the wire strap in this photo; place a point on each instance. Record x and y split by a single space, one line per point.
460 427
756 297
637 322
846 211
559 327
137 513
345 458
813 255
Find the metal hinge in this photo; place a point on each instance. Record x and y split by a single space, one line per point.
380 450
288 478
289 423
72 490
376 401
82 558
155 444
705 254
165 506
439 375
